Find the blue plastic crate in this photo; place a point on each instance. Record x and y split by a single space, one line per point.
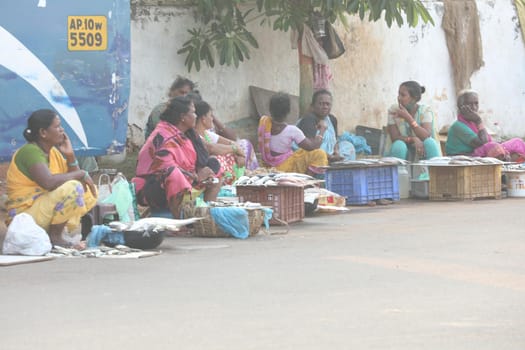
360 185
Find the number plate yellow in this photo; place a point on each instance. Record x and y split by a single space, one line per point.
87 33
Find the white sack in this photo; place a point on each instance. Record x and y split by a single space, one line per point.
25 237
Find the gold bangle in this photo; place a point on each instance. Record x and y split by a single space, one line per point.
414 124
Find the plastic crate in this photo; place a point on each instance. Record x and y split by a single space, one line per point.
460 182
373 137
360 185
287 201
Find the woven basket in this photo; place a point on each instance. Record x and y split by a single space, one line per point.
208 228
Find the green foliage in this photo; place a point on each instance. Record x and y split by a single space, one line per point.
223 33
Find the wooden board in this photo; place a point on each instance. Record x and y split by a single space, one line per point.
9 260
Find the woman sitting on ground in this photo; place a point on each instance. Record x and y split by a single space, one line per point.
276 139
228 153
44 180
411 126
180 87
310 124
468 136
169 165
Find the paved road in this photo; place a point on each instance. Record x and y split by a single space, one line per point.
413 275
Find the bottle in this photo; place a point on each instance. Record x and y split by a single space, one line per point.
498 133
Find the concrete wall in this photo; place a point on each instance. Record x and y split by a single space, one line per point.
366 77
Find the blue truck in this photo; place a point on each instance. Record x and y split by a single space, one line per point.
69 56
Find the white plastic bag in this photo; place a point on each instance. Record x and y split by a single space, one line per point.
25 237
122 197
104 187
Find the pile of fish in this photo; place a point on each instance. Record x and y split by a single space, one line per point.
461 160
370 161
97 252
277 179
152 224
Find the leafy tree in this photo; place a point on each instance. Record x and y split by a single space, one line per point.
223 34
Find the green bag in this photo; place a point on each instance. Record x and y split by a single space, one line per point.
123 198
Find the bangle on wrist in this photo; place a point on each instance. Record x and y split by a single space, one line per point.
413 124
86 176
73 163
234 148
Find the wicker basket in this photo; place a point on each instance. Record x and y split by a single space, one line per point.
208 228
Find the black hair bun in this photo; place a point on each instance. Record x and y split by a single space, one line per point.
423 89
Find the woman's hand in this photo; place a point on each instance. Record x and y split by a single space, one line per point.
65 147
403 113
321 126
418 145
237 151
204 174
469 114
240 160
88 183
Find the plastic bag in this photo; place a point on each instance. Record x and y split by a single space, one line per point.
332 44
123 199
25 237
104 187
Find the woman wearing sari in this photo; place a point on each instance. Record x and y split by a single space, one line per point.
468 136
319 114
180 87
276 139
229 154
44 180
173 161
412 133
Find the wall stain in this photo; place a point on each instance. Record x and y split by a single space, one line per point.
361 63
442 97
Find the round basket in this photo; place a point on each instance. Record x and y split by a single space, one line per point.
208 228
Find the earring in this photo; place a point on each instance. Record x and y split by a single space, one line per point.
183 120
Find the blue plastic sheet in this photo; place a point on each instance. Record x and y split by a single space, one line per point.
102 233
232 220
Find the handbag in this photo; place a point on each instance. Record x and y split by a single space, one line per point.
332 44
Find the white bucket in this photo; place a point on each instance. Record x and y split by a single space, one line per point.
515 183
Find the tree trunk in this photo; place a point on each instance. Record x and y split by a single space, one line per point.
306 80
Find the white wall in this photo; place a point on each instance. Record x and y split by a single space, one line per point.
366 77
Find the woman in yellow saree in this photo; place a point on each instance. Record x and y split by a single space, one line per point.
44 180
276 138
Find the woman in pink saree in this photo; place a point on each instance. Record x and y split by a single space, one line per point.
468 135
173 161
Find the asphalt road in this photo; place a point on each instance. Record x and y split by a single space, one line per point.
412 275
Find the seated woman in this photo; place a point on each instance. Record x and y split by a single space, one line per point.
276 139
411 126
468 136
44 180
169 165
180 87
228 153
313 122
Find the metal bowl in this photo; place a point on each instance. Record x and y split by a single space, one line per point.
143 239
